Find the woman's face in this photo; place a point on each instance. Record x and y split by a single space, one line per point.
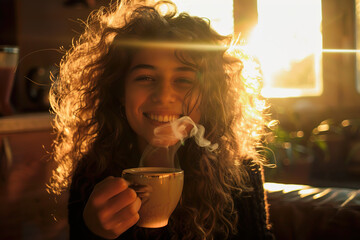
155 90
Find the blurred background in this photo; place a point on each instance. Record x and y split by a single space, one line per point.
308 51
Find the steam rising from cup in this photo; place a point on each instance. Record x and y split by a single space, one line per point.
167 140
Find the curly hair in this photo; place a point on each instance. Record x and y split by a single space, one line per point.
93 134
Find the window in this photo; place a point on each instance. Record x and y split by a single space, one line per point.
288 44
287 41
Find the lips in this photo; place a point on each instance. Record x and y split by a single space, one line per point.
162 118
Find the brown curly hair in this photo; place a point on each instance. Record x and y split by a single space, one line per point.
93 134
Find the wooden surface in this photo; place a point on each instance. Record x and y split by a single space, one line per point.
26 123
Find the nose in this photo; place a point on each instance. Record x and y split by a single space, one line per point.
164 92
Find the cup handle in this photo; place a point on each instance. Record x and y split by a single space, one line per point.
143 191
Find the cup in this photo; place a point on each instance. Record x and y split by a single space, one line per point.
159 190
8 63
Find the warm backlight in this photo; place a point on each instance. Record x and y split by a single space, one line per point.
288 44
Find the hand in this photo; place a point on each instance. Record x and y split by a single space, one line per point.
112 208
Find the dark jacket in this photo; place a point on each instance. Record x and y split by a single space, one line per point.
252 222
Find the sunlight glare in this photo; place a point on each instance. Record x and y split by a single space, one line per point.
285 188
288 46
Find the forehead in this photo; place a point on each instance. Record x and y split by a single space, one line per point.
148 55
161 57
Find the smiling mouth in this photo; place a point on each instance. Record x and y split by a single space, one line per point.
162 118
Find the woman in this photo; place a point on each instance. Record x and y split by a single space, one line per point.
133 69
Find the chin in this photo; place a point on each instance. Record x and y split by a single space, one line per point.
164 143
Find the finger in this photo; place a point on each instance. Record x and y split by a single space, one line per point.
128 212
113 182
129 223
121 227
116 224
108 188
121 200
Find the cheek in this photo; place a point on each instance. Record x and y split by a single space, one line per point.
131 106
133 98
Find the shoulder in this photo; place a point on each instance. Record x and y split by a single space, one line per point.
251 205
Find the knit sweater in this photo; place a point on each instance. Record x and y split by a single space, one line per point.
250 205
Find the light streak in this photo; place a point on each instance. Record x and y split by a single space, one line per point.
171 45
206 46
341 50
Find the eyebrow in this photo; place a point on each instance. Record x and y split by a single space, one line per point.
142 66
185 69
151 67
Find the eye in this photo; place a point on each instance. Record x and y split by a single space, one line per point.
145 78
184 80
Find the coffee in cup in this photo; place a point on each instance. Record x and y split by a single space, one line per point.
159 190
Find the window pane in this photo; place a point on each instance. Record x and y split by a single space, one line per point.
288 43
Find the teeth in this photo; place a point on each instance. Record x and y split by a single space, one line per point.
162 118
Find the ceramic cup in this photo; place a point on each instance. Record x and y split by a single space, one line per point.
159 190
